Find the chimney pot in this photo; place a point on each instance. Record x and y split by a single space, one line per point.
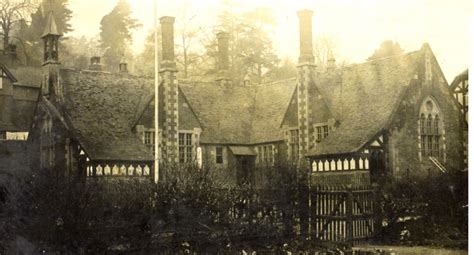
123 66
306 36
95 64
331 63
167 38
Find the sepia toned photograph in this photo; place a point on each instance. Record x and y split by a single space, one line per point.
234 127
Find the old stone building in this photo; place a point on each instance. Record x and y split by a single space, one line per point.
357 124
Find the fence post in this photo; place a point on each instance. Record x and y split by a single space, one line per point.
303 194
376 209
349 221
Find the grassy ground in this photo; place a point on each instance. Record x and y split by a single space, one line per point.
403 250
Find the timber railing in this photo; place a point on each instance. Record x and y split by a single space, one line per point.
343 214
339 215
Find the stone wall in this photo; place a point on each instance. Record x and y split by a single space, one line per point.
404 150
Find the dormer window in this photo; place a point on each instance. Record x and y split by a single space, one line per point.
322 131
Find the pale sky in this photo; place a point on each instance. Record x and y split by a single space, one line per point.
358 26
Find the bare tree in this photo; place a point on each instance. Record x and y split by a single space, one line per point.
188 31
326 48
12 11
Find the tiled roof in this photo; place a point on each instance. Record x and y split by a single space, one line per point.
28 76
362 98
271 102
225 112
242 150
101 108
236 114
20 106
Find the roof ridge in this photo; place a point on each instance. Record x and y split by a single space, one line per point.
391 56
274 82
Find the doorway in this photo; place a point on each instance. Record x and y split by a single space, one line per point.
245 165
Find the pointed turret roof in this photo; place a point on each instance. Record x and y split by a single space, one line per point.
51 28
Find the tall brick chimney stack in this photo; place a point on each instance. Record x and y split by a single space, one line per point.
223 48
306 36
169 104
167 37
305 80
223 57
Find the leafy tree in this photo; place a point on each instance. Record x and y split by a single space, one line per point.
78 50
28 36
387 48
251 51
62 15
115 34
286 69
145 61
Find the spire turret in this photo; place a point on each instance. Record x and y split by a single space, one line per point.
50 38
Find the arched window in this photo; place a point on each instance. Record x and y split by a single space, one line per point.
423 131
429 124
430 127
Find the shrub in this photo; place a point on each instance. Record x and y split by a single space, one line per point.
187 210
426 211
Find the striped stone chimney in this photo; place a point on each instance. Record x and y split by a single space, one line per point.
169 100
305 80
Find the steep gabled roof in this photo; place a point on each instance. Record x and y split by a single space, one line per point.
225 112
101 109
362 97
28 76
271 102
235 114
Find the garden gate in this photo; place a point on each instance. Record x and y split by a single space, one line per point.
342 214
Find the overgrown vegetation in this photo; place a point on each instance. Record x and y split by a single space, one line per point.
188 211
191 211
426 211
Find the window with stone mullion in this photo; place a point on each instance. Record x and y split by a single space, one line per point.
185 147
293 143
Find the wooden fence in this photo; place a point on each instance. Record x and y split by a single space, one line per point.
338 215
342 214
